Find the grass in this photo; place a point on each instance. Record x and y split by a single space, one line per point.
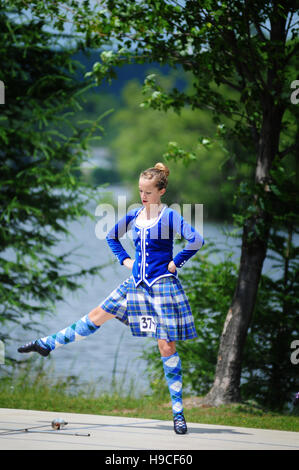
37 393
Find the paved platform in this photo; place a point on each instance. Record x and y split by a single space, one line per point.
111 433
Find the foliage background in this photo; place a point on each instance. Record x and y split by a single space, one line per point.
43 147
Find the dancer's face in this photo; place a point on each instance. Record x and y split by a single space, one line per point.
149 193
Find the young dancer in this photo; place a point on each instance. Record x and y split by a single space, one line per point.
151 301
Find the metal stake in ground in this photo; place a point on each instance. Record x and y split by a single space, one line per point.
22 429
57 424
60 433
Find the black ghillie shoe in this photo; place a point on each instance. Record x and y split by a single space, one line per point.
179 423
34 346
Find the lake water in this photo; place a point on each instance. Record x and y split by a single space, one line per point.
112 347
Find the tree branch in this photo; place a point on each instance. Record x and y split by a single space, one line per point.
291 148
232 85
290 55
249 42
289 23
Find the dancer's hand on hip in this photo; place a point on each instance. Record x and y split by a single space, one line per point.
171 267
128 262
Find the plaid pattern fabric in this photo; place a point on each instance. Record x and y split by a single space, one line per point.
165 301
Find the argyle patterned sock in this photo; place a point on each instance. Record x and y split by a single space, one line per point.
75 332
173 374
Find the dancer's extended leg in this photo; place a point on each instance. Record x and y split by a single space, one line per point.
77 331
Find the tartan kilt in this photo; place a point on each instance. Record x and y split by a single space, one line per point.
165 301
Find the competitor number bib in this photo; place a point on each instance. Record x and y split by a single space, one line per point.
147 323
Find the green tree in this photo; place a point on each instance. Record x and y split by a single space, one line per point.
249 46
140 141
39 153
271 374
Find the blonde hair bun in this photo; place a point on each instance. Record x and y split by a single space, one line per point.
159 174
160 166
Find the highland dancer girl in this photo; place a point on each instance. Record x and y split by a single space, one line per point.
151 301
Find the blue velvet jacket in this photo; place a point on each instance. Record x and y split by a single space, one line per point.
154 244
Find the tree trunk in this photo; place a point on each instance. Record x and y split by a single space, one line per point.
226 387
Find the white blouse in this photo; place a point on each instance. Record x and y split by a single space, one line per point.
146 222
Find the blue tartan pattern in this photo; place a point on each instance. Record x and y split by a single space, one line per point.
165 300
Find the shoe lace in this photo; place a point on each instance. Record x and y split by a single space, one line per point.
179 419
